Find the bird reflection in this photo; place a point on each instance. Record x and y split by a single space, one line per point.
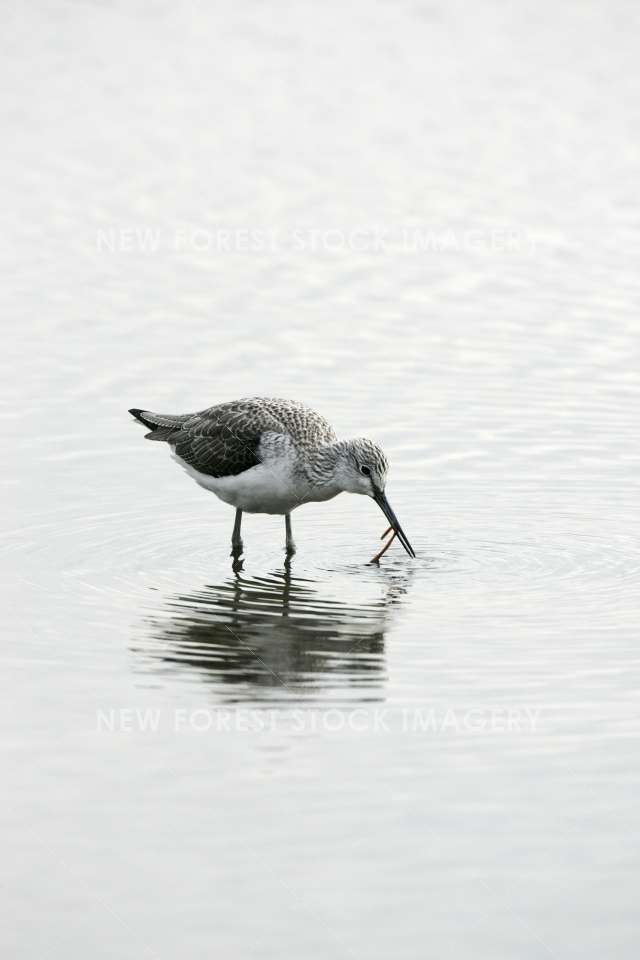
276 636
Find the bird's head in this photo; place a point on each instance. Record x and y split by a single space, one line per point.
362 468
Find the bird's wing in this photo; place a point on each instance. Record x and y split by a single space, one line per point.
224 440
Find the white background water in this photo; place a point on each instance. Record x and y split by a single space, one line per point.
435 757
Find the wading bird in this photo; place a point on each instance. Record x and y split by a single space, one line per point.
271 456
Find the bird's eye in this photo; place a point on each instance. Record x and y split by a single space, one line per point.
366 471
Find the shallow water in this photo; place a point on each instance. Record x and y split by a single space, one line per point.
432 757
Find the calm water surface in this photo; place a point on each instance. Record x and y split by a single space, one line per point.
430 758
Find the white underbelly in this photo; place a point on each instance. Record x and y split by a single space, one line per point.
266 488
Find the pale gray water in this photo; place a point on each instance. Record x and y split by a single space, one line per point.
499 366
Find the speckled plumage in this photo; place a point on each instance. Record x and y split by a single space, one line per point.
224 440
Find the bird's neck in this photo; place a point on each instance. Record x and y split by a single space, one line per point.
322 463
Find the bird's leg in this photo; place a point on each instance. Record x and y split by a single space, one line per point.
236 539
291 547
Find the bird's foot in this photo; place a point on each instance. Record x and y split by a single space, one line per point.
236 554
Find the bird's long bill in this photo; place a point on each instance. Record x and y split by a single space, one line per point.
385 506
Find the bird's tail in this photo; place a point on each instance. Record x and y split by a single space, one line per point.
161 425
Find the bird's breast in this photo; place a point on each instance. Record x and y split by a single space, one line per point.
270 487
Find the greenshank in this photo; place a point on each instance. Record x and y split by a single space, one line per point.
264 455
